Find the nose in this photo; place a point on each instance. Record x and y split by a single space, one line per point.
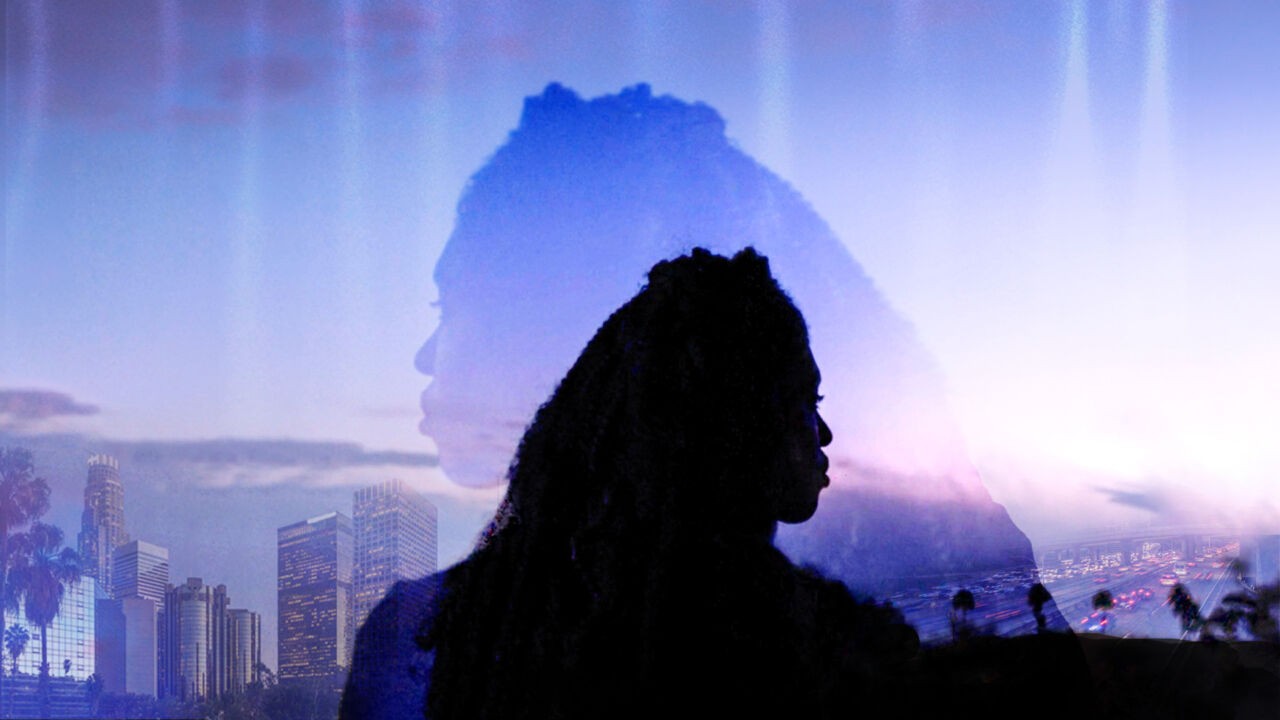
824 432
425 359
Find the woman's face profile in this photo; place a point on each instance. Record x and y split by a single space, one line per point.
801 473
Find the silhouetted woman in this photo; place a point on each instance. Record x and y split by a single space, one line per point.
631 568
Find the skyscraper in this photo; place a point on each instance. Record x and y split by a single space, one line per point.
102 522
196 638
245 638
315 624
140 571
395 540
125 645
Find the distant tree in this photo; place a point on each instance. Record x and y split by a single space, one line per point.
264 672
41 577
962 604
1186 609
23 498
301 700
131 705
1037 596
15 642
93 688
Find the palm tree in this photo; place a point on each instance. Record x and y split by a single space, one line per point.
1037 596
962 603
1103 602
23 498
1186 608
1250 607
44 569
15 641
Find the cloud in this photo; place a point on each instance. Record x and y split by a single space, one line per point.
1149 501
20 409
236 465
301 454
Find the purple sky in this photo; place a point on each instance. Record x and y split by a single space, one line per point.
221 218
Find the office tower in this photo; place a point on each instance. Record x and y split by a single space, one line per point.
140 571
70 635
245 638
395 540
196 640
102 522
315 624
125 645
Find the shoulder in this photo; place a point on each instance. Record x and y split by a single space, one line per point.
873 630
389 672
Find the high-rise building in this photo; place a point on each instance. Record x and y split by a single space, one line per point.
197 650
102 522
395 540
125 645
315 623
245 637
70 635
140 571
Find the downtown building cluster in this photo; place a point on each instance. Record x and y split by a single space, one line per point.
128 622
332 571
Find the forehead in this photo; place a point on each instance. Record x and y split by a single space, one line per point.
802 373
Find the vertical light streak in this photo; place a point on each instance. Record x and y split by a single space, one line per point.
437 205
1069 196
170 51
1117 20
170 54
356 281
1155 160
646 27
1157 226
247 396
30 136
774 78
930 221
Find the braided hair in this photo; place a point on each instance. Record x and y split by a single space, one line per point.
635 507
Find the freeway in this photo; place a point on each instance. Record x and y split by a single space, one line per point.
1141 593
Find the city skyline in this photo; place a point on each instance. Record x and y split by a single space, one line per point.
1066 214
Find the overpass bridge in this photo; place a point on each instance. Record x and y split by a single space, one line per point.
1187 540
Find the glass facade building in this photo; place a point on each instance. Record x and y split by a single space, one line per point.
395 530
70 636
315 624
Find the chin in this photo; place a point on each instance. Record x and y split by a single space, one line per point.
799 512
